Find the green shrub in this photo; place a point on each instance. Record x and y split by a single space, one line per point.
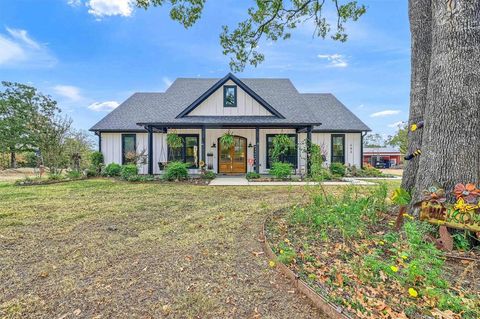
91 172
140 178
337 169
128 171
323 175
55 176
370 171
281 170
113 169
176 171
96 159
252 175
74 174
208 175
316 162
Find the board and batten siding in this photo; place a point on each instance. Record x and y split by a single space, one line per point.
112 146
353 147
246 105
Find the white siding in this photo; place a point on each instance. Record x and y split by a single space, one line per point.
112 146
246 105
352 146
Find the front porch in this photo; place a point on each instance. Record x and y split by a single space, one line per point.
249 154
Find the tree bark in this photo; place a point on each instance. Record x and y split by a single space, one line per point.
421 38
451 137
13 159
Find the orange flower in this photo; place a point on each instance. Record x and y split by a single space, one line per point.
468 192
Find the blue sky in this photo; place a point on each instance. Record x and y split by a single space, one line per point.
91 55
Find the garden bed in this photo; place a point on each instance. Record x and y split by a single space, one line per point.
45 181
347 250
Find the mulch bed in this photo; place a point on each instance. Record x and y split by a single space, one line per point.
329 274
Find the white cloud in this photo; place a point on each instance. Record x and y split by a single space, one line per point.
336 60
17 48
103 106
167 81
68 91
385 113
101 8
74 3
396 124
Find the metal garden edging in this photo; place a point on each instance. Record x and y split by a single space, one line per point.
319 301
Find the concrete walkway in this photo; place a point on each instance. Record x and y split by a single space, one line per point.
242 181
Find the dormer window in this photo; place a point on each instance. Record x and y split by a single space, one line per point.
230 96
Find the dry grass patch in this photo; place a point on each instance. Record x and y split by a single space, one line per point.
107 248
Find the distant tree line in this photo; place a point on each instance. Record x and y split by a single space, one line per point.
33 132
398 140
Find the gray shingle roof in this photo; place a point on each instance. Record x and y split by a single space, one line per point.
279 93
335 115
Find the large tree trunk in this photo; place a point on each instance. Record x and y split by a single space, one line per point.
421 37
451 137
13 159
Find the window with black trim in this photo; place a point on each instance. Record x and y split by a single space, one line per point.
229 95
338 148
290 157
129 145
188 153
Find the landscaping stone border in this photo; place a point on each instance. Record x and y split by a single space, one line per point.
331 310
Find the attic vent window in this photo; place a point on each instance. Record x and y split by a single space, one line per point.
230 96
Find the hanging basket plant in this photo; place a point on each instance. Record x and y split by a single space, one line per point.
282 143
174 141
227 140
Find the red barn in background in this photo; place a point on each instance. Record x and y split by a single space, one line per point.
381 157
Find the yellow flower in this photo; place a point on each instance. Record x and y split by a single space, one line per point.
381 242
271 263
394 268
408 216
413 127
286 240
281 251
404 257
462 206
412 292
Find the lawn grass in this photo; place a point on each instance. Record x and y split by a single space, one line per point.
102 248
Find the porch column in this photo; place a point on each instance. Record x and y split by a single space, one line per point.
150 150
203 157
99 141
256 153
309 143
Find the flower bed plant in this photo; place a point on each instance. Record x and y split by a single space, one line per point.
346 247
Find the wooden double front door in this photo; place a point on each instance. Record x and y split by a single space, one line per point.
233 160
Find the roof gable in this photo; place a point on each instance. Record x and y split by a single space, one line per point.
218 86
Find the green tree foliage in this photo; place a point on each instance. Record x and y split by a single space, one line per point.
22 110
78 147
51 135
400 139
373 140
270 20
